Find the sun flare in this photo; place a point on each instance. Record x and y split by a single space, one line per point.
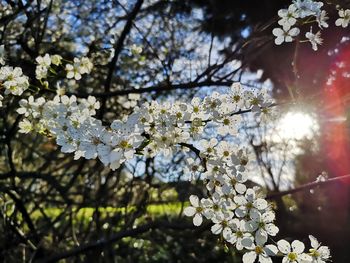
297 126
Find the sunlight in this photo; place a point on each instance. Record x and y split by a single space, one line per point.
296 126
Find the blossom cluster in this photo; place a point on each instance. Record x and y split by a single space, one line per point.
163 126
78 68
44 63
12 79
240 215
302 12
74 70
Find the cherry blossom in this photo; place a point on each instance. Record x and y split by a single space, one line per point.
293 252
344 18
44 61
261 252
314 39
13 80
319 254
288 16
262 225
196 210
285 34
307 7
322 18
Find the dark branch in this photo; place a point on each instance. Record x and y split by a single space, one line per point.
308 186
114 238
117 49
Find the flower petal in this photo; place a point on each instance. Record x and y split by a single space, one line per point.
260 237
189 211
305 258
268 217
216 229
294 31
260 204
197 220
314 243
271 250
283 246
263 259
277 32
298 246
194 200
271 229
240 188
249 257
248 242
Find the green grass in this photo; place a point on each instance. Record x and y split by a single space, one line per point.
85 213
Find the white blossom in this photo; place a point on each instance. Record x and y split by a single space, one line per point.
193 166
235 99
56 60
208 147
261 252
319 254
293 252
314 39
228 125
25 126
262 225
73 72
249 203
41 72
85 65
197 210
13 80
307 7
288 16
44 61
344 18
221 222
237 234
285 34
322 18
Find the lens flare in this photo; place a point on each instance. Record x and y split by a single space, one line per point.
297 126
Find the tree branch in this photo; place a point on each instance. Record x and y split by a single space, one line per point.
117 49
156 88
126 233
308 186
